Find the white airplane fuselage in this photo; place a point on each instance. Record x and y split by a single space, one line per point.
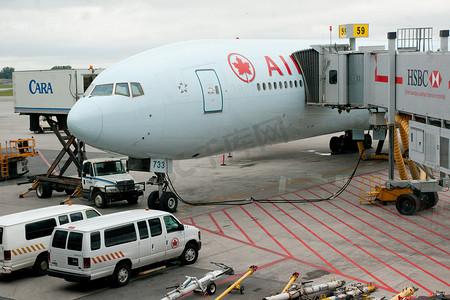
203 98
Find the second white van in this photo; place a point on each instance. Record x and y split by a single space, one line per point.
114 244
25 236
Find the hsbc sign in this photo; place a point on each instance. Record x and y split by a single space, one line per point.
424 78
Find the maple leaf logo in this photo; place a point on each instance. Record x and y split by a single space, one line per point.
242 67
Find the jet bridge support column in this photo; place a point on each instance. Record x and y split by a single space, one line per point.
391 100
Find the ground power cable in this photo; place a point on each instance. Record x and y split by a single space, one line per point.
251 200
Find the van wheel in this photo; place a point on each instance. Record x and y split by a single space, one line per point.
189 255
168 202
152 200
121 275
99 199
44 190
40 266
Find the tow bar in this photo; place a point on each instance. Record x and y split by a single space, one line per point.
204 284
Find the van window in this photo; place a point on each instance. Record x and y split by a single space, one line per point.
39 229
75 241
95 240
155 226
63 219
171 224
59 239
76 217
143 230
120 235
92 214
1 235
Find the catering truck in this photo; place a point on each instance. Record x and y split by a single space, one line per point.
49 93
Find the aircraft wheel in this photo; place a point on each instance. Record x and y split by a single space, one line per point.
334 144
168 202
367 141
44 190
407 204
152 200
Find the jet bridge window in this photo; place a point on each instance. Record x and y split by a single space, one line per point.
122 89
103 90
332 76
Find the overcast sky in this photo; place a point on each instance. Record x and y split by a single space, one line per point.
38 34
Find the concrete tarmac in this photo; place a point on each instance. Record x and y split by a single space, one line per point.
335 239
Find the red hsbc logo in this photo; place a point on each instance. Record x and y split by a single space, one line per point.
435 79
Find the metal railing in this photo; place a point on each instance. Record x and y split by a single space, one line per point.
417 39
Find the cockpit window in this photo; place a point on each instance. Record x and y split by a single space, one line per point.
122 89
136 89
103 90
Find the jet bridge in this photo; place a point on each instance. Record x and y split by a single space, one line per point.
408 79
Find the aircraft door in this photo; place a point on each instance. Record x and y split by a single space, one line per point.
211 89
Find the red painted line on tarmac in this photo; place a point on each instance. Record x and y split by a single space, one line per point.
369 238
267 232
238 227
298 260
217 225
393 252
46 162
402 217
259 268
438 214
328 244
299 239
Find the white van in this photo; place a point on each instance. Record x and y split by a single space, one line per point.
25 236
114 244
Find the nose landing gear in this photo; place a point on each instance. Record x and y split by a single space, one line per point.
162 199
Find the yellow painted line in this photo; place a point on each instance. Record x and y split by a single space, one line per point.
37 246
42 246
24 251
18 250
28 249
32 247
112 255
14 252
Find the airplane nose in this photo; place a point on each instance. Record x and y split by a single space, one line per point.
85 120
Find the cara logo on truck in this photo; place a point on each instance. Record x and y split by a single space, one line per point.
41 88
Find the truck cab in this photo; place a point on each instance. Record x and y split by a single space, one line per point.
106 179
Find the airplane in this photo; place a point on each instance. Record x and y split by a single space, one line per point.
201 98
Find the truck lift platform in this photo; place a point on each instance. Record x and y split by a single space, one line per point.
404 88
13 157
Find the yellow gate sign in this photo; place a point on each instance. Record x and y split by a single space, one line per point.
353 30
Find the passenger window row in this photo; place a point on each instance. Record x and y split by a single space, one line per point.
279 85
44 228
127 89
117 235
